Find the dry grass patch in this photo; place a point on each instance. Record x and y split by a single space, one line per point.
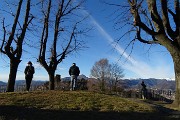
81 101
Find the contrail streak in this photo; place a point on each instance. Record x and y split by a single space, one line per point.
111 41
139 68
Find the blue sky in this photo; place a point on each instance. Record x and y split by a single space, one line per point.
155 62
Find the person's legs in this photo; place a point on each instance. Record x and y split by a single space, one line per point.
144 95
28 83
73 84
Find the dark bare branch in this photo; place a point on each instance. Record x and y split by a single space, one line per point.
137 18
177 18
165 19
145 41
65 51
72 9
25 25
4 37
155 16
44 38
11 37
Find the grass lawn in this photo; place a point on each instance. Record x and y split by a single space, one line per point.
75 105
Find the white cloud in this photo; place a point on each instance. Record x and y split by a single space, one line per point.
143 70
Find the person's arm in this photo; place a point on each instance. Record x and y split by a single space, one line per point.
25 71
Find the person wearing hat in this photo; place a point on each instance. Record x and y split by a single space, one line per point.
29 71
74 73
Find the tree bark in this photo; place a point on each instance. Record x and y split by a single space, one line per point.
51 79
12 75
176 60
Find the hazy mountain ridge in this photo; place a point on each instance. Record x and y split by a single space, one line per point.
150 83
2 83
127 83
23 82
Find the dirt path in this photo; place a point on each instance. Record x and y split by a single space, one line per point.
162 109
165 110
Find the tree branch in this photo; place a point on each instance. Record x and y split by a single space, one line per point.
25 25
4 38
165 17
155 16
65 51
74 8
44 37
177 18
11 37
137 18
145 41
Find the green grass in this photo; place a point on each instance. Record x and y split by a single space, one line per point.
72 105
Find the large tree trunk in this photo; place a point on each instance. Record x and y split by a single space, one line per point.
176 60
51 79
12 75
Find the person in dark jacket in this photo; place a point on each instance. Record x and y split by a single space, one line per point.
29 71
144 90
74 73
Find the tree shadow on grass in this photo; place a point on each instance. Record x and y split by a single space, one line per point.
24 113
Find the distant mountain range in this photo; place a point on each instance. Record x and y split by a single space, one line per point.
127 83
150 83
40 82
23 82
2 83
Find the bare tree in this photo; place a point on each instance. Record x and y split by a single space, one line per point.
107 73
101 71
160 20
60 33
12 41
116 75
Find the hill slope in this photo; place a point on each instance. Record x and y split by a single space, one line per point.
81 101
72 105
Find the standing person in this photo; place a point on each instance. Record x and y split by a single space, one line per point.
144 90
29 71
74 73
